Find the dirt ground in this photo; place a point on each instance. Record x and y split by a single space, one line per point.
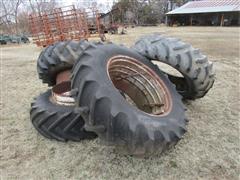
209 150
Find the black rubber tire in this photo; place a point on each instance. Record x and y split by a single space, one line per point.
109 115
57 121
57 58
197 71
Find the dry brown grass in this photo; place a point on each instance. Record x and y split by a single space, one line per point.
209 150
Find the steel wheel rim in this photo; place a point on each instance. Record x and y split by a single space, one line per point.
145 88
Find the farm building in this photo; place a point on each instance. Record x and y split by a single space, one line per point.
127 17
206 13
107 18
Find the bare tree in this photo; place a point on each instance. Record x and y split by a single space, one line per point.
9 14
23 23
40 6
16 10
14 13
5 15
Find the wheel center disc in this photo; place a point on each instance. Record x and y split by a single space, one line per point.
141 84
61 94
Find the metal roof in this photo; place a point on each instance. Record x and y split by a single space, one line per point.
207 6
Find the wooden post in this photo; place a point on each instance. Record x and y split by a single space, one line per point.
191 19
166 20
222 20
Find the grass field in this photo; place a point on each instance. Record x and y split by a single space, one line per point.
209 150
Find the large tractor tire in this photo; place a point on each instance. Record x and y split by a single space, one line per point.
127 100
197 71
57 58
57 122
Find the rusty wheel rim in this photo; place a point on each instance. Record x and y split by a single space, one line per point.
146 90
63 76
61 94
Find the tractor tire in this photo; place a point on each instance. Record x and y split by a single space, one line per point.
197 71
107 113
57 58
57 121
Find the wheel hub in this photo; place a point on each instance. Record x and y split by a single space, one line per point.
141 84
61 94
